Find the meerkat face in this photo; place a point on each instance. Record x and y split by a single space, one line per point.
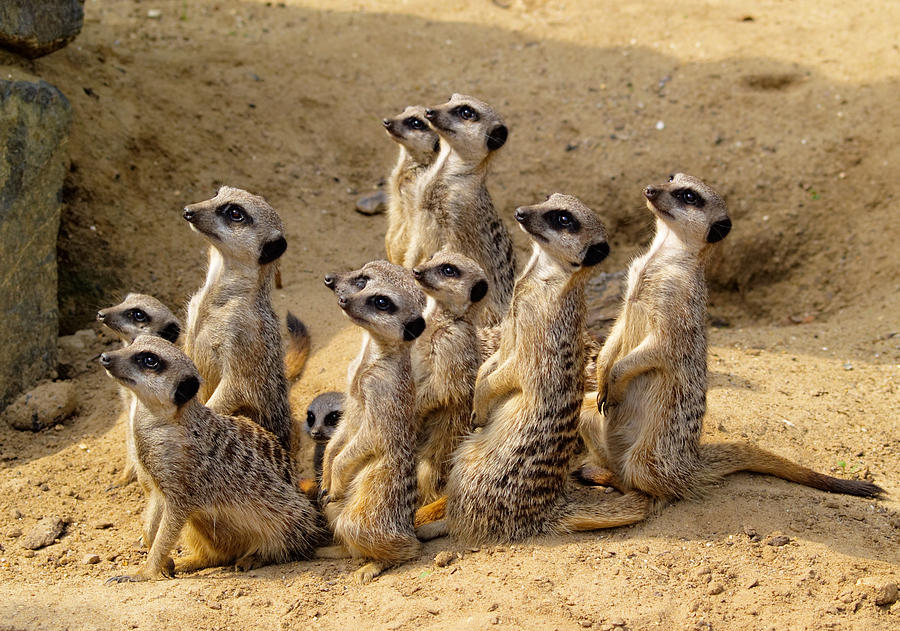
471 127
140 314
566 229
691 208
157 371
323 416
242 226
455 281
411 130
383 299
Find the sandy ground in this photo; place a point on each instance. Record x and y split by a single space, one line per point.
787 108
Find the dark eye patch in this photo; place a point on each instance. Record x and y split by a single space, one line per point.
690 197
562 220
466 112
382 303
450 271
414 123
310 419
234 213
332 418
149 361
139 315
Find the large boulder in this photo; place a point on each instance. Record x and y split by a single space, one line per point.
34 127
33 28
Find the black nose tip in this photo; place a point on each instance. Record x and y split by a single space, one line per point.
386 122
520 215
101 316
329 281
429 113
188 214
105 359
417 273
651 192
342 301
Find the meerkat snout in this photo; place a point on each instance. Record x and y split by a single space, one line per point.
429 113
105 360
329 281
651 192
188 214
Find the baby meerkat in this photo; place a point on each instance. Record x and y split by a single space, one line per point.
652 369
224 481
419 146
138 314
322 418
512 480
369 469
454 204
445 361
232 335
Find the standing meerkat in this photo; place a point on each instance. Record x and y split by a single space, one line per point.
233 335
138 314
369 469
512 480
322 418
652 369
223 481
419 146
454 204
445 361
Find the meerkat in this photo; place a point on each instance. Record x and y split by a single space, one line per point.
322 418
369 468
419 146
138 314
222 481
512 480
652 368
232 335
454 206
445 361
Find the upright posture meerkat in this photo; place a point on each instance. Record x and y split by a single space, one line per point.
322 418
652 369
419 145
512 480
233 336
224 481
453 201
445 361
138 314
369 469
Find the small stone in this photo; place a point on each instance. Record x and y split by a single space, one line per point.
372 203
848 366
886 595
154 14
752 583
102 525
17 514
44 533
716 588
214 605
494 607
495 620
778 540
43 406
617 622
91 559
443 558
587 624
28 554
433 611
15 533
750 531
33 29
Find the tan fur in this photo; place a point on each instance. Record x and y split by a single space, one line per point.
453 204
138 314
652 368
368 470
419 145
445 361
233 336
222 481
512 480
297 351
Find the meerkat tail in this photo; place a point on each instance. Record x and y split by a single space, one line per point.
721 459
431 512
297 351
602 512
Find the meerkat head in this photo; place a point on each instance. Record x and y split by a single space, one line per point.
453 280
471 127
157 371
383 299
323 415
566 229
690 208
242 226
140 314
411 130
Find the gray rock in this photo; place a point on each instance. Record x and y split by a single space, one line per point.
33 28
886 595
44 533
44 406
34 128
372 204
91 559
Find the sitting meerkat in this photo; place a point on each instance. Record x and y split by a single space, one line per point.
445 361
138 314
419 146
322 418
652 369
369 469
512 480
232 334
224 481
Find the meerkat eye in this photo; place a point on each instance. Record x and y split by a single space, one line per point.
671 177
382 303
139 316
450 271
414 123
332 418
149 361
562 220
690 197
233 213
467 113
310 419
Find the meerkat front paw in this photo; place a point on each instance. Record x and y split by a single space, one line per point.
166 570
367 573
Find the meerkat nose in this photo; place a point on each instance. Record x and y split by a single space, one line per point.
329 281
417 272
105 359
386 122
100 316
429 113
651 192
188 214
342 301
520 215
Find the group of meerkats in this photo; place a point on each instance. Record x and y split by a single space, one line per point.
478 405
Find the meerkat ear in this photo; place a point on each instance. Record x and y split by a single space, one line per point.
170 332
271 250
413 329
479 290
595 253
719 230
496 138
185 390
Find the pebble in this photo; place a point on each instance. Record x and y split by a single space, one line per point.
443 558
43 406
617 622
102 525
154 14
91 559
886 595
28 554
716 588
15 533
778 540
372 203
587 624
43 533
17 514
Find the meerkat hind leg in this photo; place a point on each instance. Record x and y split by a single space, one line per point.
337 551
432 530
